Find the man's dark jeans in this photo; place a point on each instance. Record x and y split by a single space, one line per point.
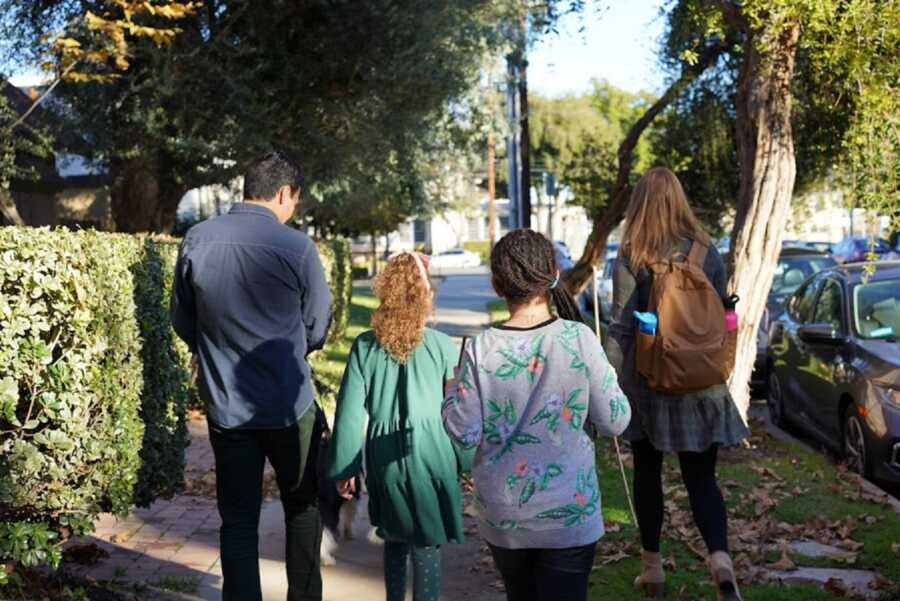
240 459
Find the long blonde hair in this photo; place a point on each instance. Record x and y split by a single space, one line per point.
405 296
658 217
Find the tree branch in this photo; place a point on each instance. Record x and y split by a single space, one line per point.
578 277
42 97
733 14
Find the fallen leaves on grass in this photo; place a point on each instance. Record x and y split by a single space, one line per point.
836 587
785 564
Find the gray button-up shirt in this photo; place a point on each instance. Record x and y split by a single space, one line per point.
251 301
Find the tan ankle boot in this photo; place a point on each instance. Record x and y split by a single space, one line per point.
652 579
722 571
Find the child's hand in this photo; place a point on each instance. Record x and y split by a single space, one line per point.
346 488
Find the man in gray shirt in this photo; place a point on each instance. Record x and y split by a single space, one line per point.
251 301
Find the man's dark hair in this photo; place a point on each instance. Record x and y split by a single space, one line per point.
267 174
524 266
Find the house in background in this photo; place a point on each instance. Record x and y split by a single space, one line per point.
559 220
67 189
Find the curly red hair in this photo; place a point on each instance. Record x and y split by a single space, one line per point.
405 297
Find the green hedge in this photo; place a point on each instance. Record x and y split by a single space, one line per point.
338 264
87 358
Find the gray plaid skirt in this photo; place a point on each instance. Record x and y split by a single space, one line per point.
688 422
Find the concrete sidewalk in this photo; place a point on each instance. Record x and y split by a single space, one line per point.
173 545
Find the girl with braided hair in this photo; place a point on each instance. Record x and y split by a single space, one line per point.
523 399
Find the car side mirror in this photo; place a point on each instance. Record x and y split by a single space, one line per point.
820 333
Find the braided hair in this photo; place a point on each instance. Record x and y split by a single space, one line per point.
524 267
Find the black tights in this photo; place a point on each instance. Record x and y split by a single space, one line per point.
698 470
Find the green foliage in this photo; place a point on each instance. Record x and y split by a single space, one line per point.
695 139
86 356
348 86
846 109
576 137
482 247
165 362
16 146
337 261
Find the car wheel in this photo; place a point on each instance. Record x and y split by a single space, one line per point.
856 451
775 400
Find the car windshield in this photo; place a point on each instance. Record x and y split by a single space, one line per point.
793 271
877 309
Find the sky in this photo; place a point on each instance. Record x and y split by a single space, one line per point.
618 43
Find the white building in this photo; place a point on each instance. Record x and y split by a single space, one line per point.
453 229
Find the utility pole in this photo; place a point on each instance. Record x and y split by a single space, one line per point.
512 141
492 188
550 189
524 143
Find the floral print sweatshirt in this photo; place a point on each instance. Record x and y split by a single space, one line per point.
524 400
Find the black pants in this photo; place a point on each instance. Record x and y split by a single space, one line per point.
240 459
698 470
545 574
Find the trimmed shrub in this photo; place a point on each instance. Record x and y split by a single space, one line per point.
337 261
166 371
92 385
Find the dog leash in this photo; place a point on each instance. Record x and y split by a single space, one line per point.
615 438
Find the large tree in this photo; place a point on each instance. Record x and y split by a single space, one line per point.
342 84
815 81
574 137
619 190
339 83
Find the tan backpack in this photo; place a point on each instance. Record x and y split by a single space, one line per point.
689 351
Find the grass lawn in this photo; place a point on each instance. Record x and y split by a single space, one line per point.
775 493
329 366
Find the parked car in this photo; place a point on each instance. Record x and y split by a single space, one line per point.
794 266
723 245
563 255
834 365
855 250
604 283
455 257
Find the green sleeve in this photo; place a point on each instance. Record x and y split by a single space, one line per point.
345 452
450 355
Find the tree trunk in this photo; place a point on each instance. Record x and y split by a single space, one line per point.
581 274
768 168
135 194
374 254
9 213
145 196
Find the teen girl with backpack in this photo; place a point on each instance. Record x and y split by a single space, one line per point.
395 374
675 376
525 393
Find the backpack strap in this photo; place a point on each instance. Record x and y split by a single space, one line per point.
698 253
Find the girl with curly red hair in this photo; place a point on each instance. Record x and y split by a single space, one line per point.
395 374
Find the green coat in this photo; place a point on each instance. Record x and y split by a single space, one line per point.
412 468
